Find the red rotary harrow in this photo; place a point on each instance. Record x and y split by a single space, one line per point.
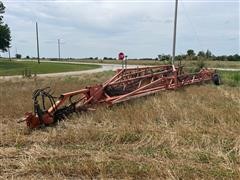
125 85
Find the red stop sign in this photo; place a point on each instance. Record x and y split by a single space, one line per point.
121 56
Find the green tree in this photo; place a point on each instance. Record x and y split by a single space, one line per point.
179 57
2 10
201 54
208 54
236 57
190 53
5 33
18 56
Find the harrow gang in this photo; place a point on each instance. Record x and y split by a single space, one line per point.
126 84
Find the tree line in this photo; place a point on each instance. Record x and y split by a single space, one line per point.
201 55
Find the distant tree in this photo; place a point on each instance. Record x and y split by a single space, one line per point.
230 58
201 54
236 57
18 56
221 58
183 56
164 57
5 36
27 57
2 10
179 57
190 52
147 59
167 57
213 57
208 54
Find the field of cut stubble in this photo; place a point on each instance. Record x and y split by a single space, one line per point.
189 133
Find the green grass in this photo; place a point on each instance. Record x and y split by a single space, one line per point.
190 133
231 78
186 63
8 68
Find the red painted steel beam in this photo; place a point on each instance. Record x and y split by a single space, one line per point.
126 84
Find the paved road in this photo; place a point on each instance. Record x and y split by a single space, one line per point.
104 67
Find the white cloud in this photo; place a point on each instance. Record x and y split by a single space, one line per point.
102 28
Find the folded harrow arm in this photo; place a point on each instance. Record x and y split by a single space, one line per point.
126 84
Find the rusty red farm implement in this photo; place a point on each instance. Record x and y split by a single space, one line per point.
126 84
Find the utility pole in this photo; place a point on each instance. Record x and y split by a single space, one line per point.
37 43
59 50
174 32
9 54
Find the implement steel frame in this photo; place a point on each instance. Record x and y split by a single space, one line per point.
126 84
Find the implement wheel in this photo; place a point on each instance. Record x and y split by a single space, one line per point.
216 79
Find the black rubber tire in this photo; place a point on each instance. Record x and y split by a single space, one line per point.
216 79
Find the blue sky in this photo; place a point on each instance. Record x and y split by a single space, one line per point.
137 27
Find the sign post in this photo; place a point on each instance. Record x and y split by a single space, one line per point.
126 62
121 57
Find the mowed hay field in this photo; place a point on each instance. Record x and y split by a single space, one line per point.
191 133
